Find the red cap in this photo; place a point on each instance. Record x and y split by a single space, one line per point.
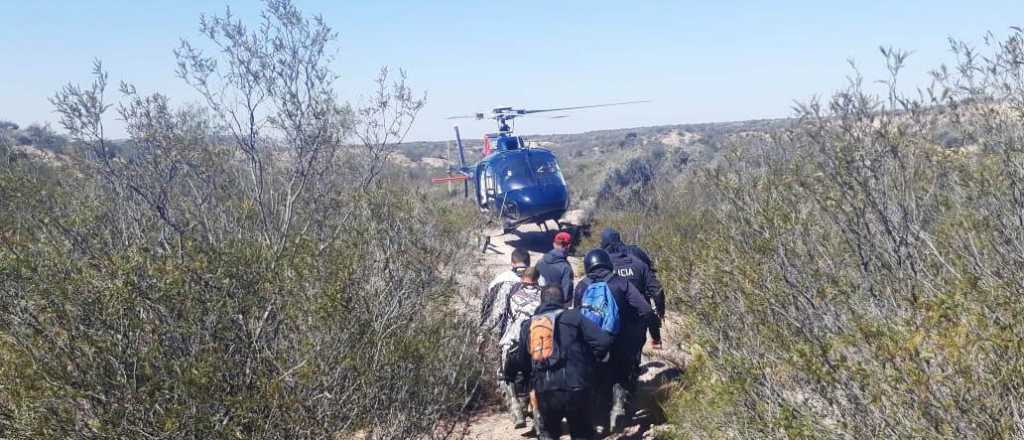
563 238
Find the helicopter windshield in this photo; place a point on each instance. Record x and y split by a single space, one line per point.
529 168
515 174
547 171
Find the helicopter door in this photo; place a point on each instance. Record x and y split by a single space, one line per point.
487 188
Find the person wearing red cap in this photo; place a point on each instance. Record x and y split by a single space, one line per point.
555 268
563 239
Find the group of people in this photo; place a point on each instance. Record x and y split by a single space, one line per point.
571 350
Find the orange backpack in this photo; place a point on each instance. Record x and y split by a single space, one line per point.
543 343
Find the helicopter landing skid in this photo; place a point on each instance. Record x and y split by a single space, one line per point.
486 245
559 226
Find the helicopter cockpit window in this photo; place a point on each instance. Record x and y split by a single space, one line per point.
515 174
549 167
547 171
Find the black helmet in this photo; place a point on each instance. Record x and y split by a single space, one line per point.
597 259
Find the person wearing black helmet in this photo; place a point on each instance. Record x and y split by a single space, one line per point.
631 266
635 316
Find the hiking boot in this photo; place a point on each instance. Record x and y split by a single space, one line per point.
518 421
538 421
515 405
618 413
520 412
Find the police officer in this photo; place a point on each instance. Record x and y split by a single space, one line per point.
629 263
635 316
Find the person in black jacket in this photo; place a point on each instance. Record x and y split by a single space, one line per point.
555 269
635 316
631 266
563 390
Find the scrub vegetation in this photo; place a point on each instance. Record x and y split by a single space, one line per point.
238 274
856 274
237 268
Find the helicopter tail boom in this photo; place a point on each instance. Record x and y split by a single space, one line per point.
454 178
460 174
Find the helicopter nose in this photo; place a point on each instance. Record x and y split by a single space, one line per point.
538 200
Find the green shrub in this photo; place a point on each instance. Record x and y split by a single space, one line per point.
214 280
853 275
228 340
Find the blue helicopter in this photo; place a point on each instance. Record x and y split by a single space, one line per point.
516 183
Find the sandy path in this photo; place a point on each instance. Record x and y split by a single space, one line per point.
495 424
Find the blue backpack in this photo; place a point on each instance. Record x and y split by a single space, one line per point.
599 306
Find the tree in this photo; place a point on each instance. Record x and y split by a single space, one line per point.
233 273
384 121
41 136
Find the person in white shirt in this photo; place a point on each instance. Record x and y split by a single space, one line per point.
523 300
498 291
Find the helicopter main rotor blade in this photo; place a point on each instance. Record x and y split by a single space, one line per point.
472 116
526 112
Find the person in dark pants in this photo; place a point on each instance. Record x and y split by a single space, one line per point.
554 266
520 305
560 365
635 316
630 265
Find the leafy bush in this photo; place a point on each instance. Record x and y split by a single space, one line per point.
219 341
857 275
229 280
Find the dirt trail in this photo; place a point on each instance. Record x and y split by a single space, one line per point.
494 424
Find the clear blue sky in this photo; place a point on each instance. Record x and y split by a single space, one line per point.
699 61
